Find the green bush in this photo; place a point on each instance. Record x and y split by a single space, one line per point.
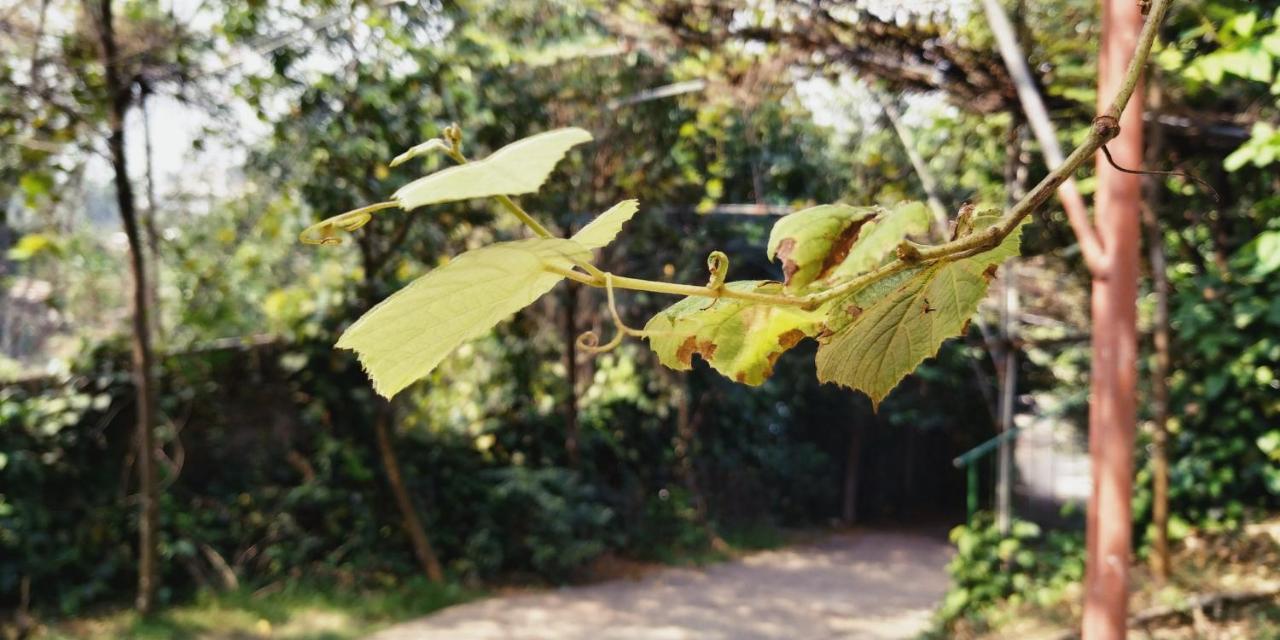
1026 565
1224 445
544 521
61 519
281 481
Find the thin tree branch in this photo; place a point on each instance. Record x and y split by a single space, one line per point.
1042 127
927 182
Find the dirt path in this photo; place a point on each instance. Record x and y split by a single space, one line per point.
872 584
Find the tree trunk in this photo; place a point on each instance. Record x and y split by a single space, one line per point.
149 225
1159 370
408 514
1113 384
6 267
1007 361
1159 404
852 466
120 95
686 435
930 186
571 438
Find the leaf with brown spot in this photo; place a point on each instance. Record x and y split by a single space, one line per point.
740 339
684 355
891 337
783 254
811 242
879 237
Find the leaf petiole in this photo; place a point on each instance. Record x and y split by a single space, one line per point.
455 153
675 289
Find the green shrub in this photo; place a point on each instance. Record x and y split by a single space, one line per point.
1026 565
544 521
1224 444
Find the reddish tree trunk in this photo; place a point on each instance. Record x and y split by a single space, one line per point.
1112 409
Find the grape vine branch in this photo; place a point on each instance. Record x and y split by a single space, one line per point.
854 279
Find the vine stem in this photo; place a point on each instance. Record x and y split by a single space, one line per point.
589 341
1104 128
676 289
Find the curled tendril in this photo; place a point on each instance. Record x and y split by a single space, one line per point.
590 341
718 265
326 231
1143 172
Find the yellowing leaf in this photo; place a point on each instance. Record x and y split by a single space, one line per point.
405 336
740 339
811 242
606 226
843 311
836 241
880 344
520 167
880 236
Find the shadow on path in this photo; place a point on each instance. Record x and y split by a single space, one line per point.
864 584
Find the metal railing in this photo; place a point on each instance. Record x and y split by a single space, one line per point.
969 459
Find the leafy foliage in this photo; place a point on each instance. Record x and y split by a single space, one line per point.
870 349
553 523
408 334
890 336
520 167
1026 565
1223 441
606 226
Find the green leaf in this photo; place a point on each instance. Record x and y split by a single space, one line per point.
1269 442
878 345
35 185
881 235
1271 44
520 167
741 339
32 245
811 242
606 226
1243 23
1267 249
434 144
1261 149
843 311
405 336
